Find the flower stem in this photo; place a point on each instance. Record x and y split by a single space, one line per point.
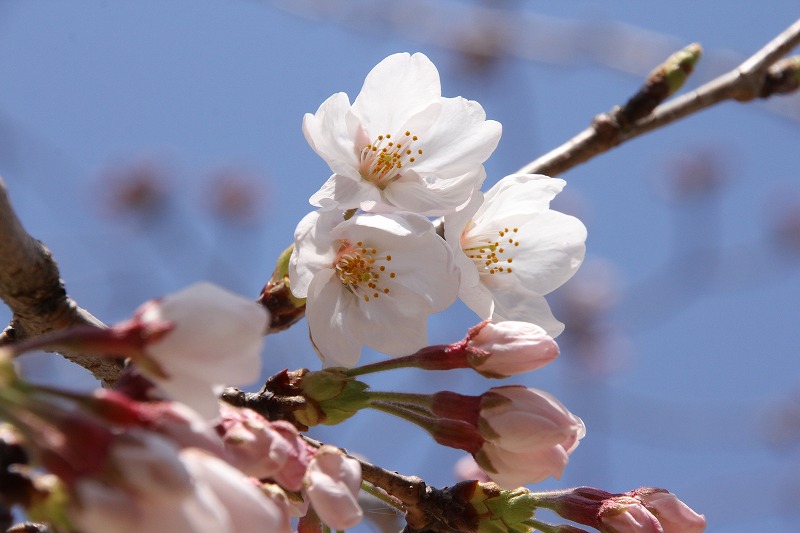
408 398
437 357
383 496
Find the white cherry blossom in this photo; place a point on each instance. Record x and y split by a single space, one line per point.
512 249
215 340
401 145
371 280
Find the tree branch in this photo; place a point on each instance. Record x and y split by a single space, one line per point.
31 287
744 83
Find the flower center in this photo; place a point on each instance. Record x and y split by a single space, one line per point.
491 252
383 159
361 270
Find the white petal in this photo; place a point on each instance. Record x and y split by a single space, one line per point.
398 87
519 194
460 140
328 134
343 192
478 298
552 247
327 312
434 199
514 301
394 323
314 249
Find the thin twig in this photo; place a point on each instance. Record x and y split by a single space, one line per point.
744 83
31 286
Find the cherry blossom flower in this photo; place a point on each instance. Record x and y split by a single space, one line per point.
673 515
401 143
509 348
371 280
213 338
512 249
529 435
332 483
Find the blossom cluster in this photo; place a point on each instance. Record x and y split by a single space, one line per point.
161 453
370 262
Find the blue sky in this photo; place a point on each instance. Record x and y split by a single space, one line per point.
697 350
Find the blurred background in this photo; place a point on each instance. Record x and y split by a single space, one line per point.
152 144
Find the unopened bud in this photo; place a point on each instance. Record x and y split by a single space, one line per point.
509 348
334 396
284 307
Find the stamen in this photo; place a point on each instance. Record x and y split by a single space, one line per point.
381 164
486 251
358 269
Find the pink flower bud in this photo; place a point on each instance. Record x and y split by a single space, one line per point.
623 514
519 418
673 515
240 502
256 447
215 340
509 348
529 435
332 483
293 470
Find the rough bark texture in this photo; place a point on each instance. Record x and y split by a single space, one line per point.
31 286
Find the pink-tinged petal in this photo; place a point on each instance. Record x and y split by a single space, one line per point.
328 134
460 140
511 348
343 192
327 309
244 503
253 445
314 249
398 87
673 515
551 248
332 484
515 469
623 514
519 418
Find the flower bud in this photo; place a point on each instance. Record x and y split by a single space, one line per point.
256 447
529 435
332 483
215 340
335 396
509 348
623 514
673 515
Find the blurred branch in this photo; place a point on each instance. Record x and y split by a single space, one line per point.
744 83
484 35
31 287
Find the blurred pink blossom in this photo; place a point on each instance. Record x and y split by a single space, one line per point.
332 483
210 338
623 514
